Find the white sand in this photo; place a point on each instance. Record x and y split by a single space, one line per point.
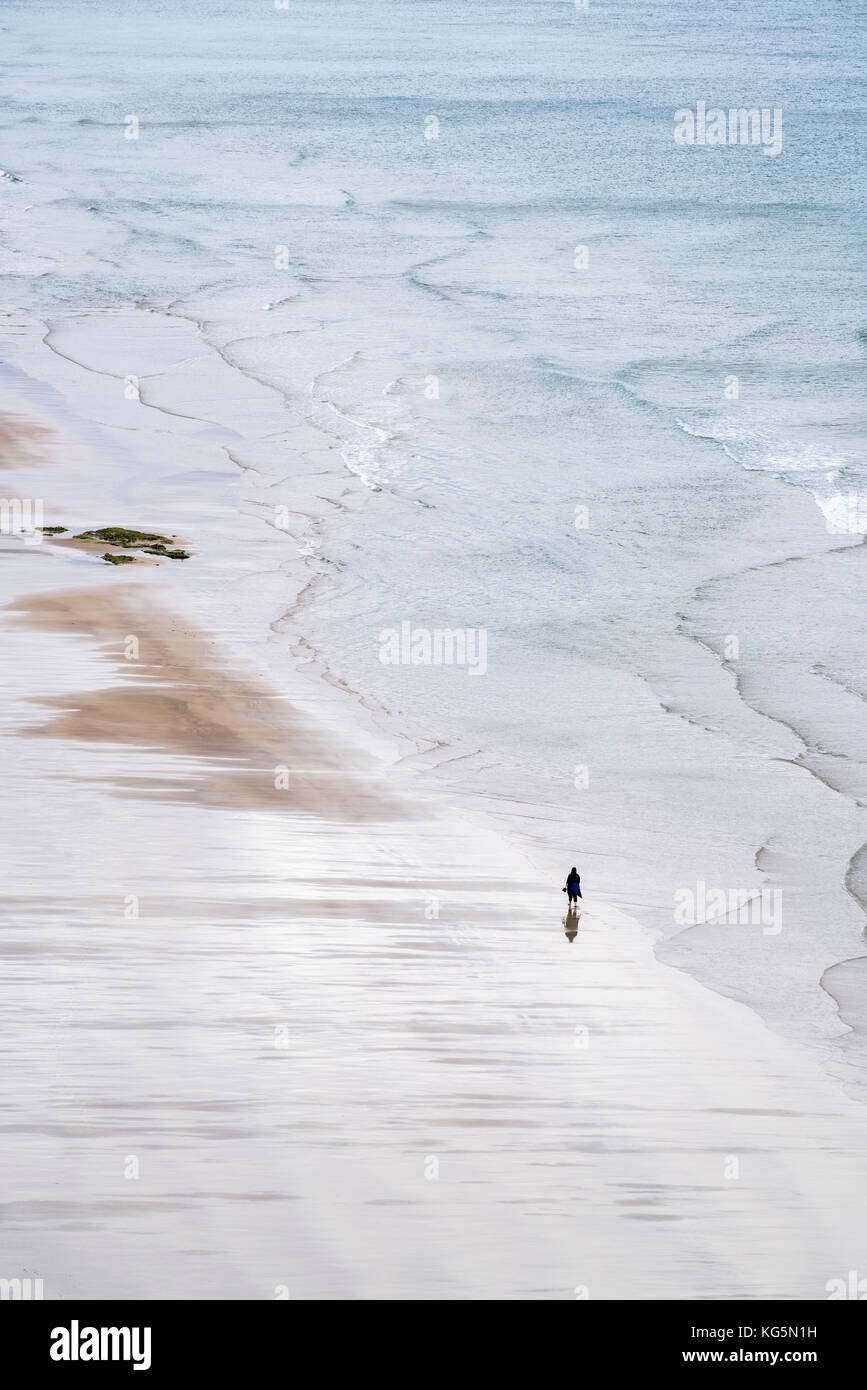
321 1084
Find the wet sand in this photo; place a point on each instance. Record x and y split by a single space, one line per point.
333 1040
174 689
22 441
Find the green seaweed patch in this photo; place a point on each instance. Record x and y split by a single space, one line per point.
117 559
53 530
119 535
165 554
148 542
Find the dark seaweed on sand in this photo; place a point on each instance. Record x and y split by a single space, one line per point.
149 542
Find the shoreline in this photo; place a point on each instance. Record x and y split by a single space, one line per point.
420 1013
237 551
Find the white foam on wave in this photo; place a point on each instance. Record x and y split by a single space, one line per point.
368 451
845 513
798 460
765 450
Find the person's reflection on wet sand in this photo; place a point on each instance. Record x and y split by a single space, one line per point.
570 924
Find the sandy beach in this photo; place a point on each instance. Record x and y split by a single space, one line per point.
285 1023
424 468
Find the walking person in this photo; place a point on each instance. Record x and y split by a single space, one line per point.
573 886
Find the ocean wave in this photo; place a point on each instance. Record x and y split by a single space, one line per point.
845 513
765 451
821 470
